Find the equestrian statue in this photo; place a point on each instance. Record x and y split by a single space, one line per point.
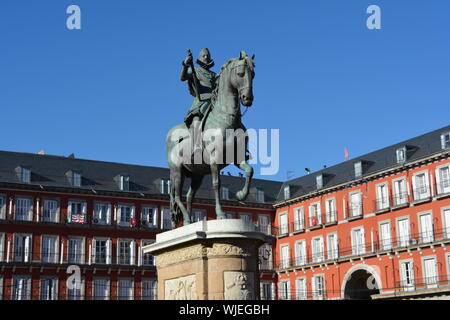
202 144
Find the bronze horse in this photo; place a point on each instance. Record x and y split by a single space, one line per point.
234 87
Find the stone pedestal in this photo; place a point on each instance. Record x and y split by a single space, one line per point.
208 260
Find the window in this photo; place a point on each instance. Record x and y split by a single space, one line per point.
101 289
266 288
76 250
430 272
1 287
49 249
2 207
126 252
149 289
124 183
299 219
319 181
385 236
76 212
24 209
285 257
21 288
358 169
284 227
355 204
421 189
401 154
445 140
224 193
300 253
50 211
25 175
246 217
229 215
403 232
401 194
22 248
443 179
317 249
287 193
265 257
446 218
314 214
101 251
165 186
147 258
382 196
76 179
149 217
301 292
166 223
126 289
426 228
126 215
102 213
318 286
358 246
407 275
264 223
260 195
49 289
330 207
198 215
76 290
285 290
332 245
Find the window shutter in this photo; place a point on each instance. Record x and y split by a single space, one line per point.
93 251
69 211
27 249
109 251
132 252
84 208
443 141
108 214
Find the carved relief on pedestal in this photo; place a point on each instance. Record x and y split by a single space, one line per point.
180 255
182 288
238 285
225 249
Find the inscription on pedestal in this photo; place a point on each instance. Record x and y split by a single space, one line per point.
182 288
238 285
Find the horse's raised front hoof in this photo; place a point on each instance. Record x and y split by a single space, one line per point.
240 195
220 214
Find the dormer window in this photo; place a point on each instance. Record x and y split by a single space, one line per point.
165 186
124 183
259 195
401 154
25 174
76 179
287 192
225 193
445 140
319 181
358 169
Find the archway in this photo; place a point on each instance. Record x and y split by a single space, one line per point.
360 283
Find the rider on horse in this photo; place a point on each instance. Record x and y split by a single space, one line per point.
201 83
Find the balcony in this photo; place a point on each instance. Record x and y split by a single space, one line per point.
442 189
439 282
298 226
421 195
400 200
282 230
330 218
382 205
315 221
355 210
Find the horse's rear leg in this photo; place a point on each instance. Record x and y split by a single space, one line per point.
196 181
216 186
177 178
242 194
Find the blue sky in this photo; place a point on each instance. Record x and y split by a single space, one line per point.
111 90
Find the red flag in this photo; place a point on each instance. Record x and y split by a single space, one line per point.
346 154
314 221
133 222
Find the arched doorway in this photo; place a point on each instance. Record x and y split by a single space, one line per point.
360 283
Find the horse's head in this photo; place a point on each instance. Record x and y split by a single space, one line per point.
242 74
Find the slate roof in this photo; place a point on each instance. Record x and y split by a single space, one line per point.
377 161
54 171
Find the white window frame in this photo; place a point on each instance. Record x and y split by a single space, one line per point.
130 289
260 196
26 216
299 218
285 261
301 293
121 206
198 215
418 196
55 285
83 206
445 222
27 252
317 213
146 211
301 256
287 192
332 253
81 255
50 258
400 197
108 287
82 288
382 200
318 293
444 142
429 280
152 287
24 278
224 193
2 206
264 227
108 250
53 214
330 212
358 169
425 236
267 284
25 175
166 219
76 179
283 227
358 249
407 284
385 242
124 183
285 294
403 240
443 187
317 253
2 248
132 249
146 256
401 154
355 209
106 220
